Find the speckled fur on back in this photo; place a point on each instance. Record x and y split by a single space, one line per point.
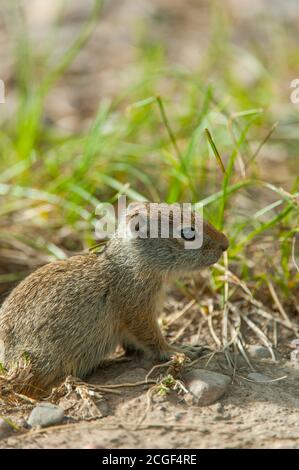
70 314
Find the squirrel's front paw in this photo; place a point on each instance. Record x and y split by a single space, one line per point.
192 352
166 355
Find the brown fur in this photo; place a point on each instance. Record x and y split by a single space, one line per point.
70 314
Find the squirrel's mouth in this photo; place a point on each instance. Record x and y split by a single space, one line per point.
213 259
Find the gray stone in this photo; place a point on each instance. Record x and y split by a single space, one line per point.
295 356
104 408
259 352
257 377
46 414
295 343
206 386
5 429
220 408
178 416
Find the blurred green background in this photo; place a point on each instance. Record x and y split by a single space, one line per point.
102 100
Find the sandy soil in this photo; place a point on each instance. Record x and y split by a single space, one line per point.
251 415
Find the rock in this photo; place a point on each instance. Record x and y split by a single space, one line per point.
206 386
220 408
46 414
257 377
295 344
5 429
295 356
178 416
259 352
162 408
104 408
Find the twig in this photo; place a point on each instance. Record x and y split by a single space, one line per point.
179 314
149 394
260 334
212 331
260 310
225 342
275 333
210 358
278 303
234 278
136 384
263 381
243 352
157 366
182 330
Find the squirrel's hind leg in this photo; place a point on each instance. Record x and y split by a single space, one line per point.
131 346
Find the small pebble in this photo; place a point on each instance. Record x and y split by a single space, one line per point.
5 429
162 408
259 352
206 386
46 414
220 408
257 377
178 416
295 356
104 408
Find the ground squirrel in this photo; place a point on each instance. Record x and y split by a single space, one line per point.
70 314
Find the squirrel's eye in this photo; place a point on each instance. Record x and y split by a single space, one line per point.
188 233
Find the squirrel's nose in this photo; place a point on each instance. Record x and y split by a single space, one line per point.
224 243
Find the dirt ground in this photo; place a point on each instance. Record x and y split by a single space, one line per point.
250 415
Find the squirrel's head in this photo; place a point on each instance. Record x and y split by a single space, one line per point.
171 237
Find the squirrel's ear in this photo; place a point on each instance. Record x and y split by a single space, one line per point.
135 207
138 226
134 221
